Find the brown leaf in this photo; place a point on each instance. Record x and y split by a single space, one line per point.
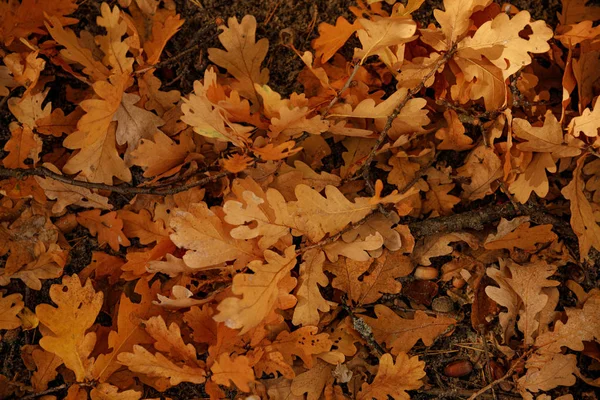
517 233
394 379
236 370
107 227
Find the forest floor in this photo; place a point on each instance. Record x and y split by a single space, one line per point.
184 61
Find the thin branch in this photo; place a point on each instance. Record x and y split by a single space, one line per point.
388 124
508 374
343 89
20 173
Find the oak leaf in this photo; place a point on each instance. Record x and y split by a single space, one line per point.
168 340
359 250
98 159
533 178
546 374
157 365
317 216
453 136
57 123
22 145
401 334
76 311
105 391
142 226
313 381
377 35
587 122
521 292
108 228
366 281
310 299
583 221
332 38
455 20
236 370
545 139
242 55
260 291
394 379
114 48
574 11
162 155
46 364
28 109
439 245
162 31
66 195
10 306
517 233
128 330
483 167
208 239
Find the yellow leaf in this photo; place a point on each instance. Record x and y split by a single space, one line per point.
394 379
236 370
401 334
260 291
106 391
108 227
583 221
243 55
10 306
157 365
310 300
76 311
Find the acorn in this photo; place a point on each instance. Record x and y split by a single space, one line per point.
426 273
457 369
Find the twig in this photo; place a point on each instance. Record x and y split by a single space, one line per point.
45 392
170 59
365 173
364 330
343 89
20 173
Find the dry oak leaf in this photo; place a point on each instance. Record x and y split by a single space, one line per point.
401 334
453 136
169 340
19 20
74 52
25 68
154 98
499 41
366 281
317 216
243 55
260 292
28 109
439 245
236 370
237 163
381 224
10 306
573 34
114 48
312 382
521 292
455 20
138 262
98 159
46 364
303 342
588 122
57 123
548 373
378 34
582 325
48 264
211 120
106 391
271 152
22 145
76 311
157 365
128 330
332 38
359 250
108 228
517 233
162 31
310 299
142 226
583 221
574 11
208 239
289 177
533 178
483 167
162 155
66 195
394 379
545 139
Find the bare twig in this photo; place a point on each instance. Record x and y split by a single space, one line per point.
20 173
365 171
508 374
343 89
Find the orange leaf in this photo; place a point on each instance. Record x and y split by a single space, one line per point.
236 370
394 379
76 311
332 38
22 145
107 227
10 306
